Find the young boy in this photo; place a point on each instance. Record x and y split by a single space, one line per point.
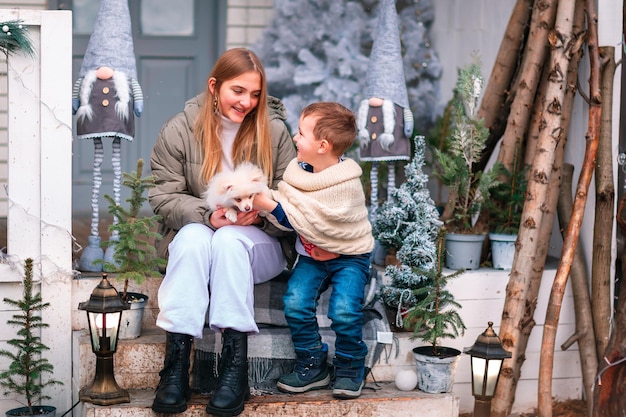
322 199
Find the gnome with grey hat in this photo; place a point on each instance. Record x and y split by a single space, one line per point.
105 99
384 119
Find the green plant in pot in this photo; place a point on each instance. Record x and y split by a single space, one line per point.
407 222
503 211
134 253
467 188
435 317
27 367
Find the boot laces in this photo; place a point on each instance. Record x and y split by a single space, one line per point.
304 366
172 372
230 368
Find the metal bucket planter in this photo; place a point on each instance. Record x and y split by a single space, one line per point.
38 411
463 251
435 374
132 319
502 250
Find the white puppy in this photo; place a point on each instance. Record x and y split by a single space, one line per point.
235 190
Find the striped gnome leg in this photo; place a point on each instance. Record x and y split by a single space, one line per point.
93 251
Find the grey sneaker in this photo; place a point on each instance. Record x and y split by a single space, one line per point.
311 372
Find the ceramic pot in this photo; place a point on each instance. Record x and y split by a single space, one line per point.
502 250
463 251
435 373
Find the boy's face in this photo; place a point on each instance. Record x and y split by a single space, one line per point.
306 142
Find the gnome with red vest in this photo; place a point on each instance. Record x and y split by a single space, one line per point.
106 98
384 119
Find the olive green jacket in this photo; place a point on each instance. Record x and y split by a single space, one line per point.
176 163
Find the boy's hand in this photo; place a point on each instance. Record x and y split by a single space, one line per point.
263 201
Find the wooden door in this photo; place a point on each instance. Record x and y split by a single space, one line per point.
176 44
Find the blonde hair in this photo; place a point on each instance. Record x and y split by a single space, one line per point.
335 123
253 141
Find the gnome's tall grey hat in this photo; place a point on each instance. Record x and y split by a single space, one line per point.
385 74
111 43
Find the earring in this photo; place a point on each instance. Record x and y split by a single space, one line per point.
215 109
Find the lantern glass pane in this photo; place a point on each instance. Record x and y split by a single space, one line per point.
104 330
113 331
493 370
478 374
93 331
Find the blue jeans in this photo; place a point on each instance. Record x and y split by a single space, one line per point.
348 276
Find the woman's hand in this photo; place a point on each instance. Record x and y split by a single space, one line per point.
218 218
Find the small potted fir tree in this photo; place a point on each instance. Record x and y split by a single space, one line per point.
467 188
134 253
417 293
503 211
27 367
435 317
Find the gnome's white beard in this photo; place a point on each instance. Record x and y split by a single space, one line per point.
121 87
389 124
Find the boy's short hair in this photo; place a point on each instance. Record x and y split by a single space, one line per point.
335 123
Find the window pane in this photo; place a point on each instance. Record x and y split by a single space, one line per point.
167 17
84 14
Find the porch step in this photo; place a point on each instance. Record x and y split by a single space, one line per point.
137 364
383 402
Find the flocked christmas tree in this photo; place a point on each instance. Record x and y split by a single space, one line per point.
409 223
318 50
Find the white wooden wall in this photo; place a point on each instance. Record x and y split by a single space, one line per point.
39 137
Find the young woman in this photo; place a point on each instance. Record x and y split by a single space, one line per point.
210 257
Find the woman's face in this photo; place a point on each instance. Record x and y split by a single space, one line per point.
238 96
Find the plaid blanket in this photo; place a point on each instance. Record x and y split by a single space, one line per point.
271 353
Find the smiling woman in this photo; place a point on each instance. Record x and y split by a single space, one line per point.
209 254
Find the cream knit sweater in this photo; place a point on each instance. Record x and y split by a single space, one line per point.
328 207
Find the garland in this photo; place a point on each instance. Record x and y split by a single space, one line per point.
14 37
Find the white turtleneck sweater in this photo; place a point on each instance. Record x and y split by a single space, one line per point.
229 131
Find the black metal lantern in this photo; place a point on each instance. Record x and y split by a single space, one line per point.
487 355
104 312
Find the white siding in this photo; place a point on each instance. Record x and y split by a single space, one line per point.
246 20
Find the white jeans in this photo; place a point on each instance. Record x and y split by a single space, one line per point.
226 264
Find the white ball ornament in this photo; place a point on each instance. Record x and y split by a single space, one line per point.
406 380
5 28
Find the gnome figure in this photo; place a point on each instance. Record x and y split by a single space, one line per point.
105 99
384 119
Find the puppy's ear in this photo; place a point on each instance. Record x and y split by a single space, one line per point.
258 178
228 187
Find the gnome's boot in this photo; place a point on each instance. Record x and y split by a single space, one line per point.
310 372
173 390
232 387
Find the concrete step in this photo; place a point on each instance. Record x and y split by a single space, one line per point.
137 362
385 401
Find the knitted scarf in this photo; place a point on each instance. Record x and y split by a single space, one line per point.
328 207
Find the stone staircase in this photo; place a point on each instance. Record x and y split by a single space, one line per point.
137 364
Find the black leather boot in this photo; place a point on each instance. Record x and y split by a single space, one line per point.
232 387
173 390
